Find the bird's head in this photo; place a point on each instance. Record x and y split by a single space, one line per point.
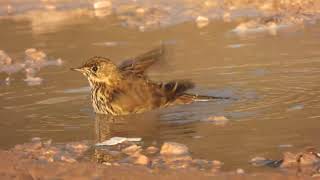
100 70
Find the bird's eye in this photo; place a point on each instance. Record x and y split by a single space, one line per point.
94 68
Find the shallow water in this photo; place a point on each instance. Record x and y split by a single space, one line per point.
273 79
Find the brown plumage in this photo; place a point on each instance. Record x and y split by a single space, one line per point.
125 89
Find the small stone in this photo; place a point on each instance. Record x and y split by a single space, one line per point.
131 149
152 150
140 11
102 4
218 118
172 148
197 137
35 55
202 164
259 161
59 61
7 80
68 159
180 158
221 120
114 153
50 159
217 163
36 145
310 156
4 58
33 80
289 159
78 148
50 152
240 171
227 17
50 7
10 9
315 175
107 163
210 3
142 160
47 143
36 139
117 140
202 21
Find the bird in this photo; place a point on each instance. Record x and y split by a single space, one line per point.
124 89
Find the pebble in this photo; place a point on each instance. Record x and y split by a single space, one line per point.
259 161
68 159
152 150
4 58
35 55
142 160
240 171
10 9
180 158
131 150
117 140
289 159
78 148
36 139
100 13
217 163
220 120
210 3
140 11
102 4
227 17
33 80
173 148
107 163
202 21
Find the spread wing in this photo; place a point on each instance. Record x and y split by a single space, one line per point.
174 89
139 64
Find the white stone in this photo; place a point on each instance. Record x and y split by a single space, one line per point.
117 140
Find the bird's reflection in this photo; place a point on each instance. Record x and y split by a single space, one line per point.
154 126
145 125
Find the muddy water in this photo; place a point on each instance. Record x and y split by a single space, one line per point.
274 81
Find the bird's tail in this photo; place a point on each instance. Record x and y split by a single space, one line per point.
204 98
187 98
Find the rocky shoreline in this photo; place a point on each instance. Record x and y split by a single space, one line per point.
41 159
13 167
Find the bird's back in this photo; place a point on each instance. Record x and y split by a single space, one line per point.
136 94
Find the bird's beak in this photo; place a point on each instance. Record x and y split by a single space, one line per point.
77 69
